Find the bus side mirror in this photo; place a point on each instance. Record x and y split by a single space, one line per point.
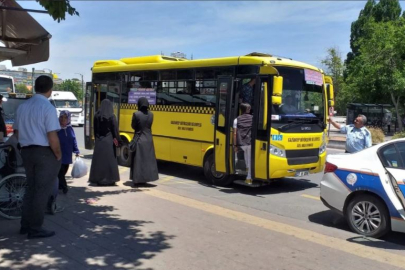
277 90
331 92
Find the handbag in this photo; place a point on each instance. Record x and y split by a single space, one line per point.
133 143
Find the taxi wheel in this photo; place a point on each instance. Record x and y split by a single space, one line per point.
213 177
368 216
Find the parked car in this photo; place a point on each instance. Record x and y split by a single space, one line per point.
368 188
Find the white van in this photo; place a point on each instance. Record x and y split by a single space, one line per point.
64 100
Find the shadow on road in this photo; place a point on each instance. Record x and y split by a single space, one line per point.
285 185
88 236
329 218
181 171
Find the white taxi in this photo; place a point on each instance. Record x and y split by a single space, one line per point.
368 188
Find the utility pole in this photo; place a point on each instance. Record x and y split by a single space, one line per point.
33 89
82 86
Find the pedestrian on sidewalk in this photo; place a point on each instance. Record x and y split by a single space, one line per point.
358 137
104 166
242 127
36 126
68 144
144 166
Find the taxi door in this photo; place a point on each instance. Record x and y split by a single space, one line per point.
393 159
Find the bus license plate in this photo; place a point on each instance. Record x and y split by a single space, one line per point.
301 173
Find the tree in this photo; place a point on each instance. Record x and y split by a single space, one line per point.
379 69
73 86
58 9
382 11
334 67
22 88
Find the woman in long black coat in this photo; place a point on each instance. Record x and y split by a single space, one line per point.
104 165
144 167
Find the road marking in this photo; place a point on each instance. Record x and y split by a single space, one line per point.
122 169
165 179
370 253
311 197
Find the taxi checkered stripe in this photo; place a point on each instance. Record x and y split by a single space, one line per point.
168 108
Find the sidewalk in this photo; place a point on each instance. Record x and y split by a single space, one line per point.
91 233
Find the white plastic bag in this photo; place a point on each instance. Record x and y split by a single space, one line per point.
79 168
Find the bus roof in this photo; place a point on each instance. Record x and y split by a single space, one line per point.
157 62
6 76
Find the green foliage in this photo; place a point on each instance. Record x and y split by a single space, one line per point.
334 67
375 68
73 86
58 9
399 135
22 88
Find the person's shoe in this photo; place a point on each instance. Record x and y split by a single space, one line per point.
24 230
65 190
40 234
248 181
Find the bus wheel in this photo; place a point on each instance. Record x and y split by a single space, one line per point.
125 157
219 179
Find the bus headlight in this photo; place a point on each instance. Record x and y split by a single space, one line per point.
322 149
276 151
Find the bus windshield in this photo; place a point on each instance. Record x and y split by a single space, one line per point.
301 98
65 103
6 85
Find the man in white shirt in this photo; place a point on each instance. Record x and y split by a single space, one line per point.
36 126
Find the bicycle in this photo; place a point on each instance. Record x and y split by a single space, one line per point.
13 183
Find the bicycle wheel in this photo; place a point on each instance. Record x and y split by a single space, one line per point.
12 190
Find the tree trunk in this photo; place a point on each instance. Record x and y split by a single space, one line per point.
397 105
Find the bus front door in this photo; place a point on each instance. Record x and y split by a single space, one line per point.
261 129
88 116
95 94
222 138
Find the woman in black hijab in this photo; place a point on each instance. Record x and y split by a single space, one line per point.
144 167
104 165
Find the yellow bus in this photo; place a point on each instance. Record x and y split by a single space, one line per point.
196 101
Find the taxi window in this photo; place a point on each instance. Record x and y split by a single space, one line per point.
391 157
401 149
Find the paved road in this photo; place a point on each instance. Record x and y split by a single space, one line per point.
179 222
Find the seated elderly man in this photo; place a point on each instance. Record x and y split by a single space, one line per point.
288 107
358 136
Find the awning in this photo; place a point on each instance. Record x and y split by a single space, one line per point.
26 41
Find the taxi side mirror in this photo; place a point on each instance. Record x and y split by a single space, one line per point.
277 90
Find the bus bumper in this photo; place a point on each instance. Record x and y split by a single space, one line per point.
280 168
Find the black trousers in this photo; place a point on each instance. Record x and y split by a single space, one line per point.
41 168
62 175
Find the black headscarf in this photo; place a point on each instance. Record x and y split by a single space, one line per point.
143 104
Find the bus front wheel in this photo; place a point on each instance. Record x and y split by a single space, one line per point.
216 178
125 157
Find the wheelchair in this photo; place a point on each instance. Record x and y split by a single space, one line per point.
13 182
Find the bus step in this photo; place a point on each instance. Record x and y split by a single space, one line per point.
254 184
